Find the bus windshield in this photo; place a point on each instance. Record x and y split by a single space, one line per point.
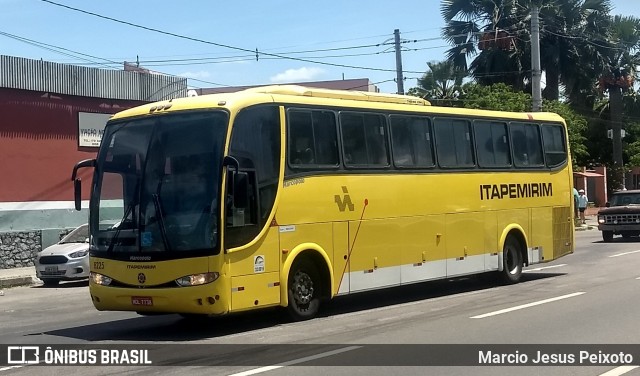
157 187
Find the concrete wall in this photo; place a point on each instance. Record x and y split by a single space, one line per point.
18 249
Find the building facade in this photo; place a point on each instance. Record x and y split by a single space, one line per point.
52 115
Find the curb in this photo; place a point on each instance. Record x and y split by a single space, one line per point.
16 281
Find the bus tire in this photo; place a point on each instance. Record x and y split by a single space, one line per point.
303 290
511 261
607 236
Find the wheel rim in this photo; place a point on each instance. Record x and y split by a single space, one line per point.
302 288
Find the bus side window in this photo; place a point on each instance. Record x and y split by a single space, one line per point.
554 144
453 140
527 149
364 139
411 141
312 139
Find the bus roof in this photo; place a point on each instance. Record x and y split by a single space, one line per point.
296 94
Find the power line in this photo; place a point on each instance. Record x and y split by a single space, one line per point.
213 43
56 49
59 50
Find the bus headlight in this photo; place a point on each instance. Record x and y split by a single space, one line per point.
601 220
100 279
197 279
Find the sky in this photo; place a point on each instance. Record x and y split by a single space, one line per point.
214 43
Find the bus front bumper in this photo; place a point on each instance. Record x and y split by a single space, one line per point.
206 299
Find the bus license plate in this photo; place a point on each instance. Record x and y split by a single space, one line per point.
141 300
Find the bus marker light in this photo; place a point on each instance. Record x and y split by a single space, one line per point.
285 251
211 300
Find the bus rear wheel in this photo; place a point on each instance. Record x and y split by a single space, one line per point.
303 290
511 261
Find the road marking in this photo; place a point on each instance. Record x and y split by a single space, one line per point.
295 361
527 305
543 268
624 253
8 368
638 278
619 371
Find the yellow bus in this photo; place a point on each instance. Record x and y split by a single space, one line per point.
289 196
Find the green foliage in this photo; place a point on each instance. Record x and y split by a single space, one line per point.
576 127
499 97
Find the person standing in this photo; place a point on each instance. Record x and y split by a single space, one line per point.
582 205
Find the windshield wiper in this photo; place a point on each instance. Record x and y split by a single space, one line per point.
160 217
120 226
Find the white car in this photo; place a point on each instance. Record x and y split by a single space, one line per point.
66 260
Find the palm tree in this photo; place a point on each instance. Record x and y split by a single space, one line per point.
619 74
571 34
441 83
484 29
506 23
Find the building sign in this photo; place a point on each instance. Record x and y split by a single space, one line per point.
90 128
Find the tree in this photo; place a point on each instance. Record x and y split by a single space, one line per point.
441 83
484 30
500 30
619 74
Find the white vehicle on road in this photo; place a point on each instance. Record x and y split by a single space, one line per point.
66 260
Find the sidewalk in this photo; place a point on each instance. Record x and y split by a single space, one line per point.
17 277
592 223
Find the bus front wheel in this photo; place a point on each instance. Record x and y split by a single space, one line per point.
303 290
511 261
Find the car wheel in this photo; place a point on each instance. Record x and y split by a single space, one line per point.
607 236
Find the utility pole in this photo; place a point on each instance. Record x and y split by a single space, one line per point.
399 78
536 73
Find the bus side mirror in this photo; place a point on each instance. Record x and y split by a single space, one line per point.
77 182
77 193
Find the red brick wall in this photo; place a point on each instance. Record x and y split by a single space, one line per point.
39 143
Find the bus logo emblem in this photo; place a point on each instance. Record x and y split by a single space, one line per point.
142 278
344 201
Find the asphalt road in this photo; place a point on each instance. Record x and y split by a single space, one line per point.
590 297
